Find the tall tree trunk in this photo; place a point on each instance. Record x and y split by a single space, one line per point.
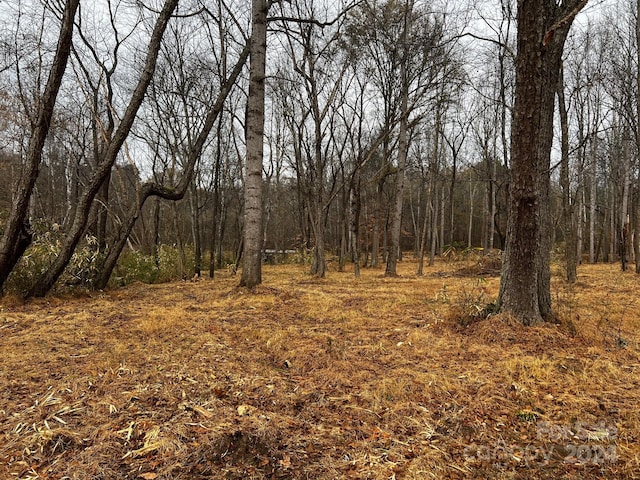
623 235
343 230
378 218
156 245
472 192
593 185
403 145
182 257
252 262
216 200
103 212
354 217
319 265
195 229
635 209
568 223
443 209
493 209
636 190
424 233
525 287
17 234
434 222
612 223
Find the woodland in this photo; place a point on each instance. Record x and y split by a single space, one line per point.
317 239
148 167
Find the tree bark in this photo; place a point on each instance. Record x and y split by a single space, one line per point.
525 289
17 234
252 262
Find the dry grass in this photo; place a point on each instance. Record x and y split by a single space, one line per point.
339 378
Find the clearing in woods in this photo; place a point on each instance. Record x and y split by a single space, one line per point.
336 378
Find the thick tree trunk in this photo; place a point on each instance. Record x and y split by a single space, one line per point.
252 263
525 289
17 233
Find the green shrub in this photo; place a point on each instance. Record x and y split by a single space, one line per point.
135 266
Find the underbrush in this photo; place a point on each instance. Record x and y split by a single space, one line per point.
87 261
45 248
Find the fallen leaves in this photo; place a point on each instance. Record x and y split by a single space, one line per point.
309 379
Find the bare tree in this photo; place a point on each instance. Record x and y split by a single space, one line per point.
252 264
403 145
17 235
171 192
108 157
568 204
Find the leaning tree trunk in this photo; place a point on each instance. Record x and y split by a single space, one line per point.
44 283
252 263
17 234
174 194
525 289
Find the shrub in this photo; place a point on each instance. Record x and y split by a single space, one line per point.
45 248
137 266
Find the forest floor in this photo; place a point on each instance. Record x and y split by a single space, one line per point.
335 378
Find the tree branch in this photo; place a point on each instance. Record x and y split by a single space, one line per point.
564 21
